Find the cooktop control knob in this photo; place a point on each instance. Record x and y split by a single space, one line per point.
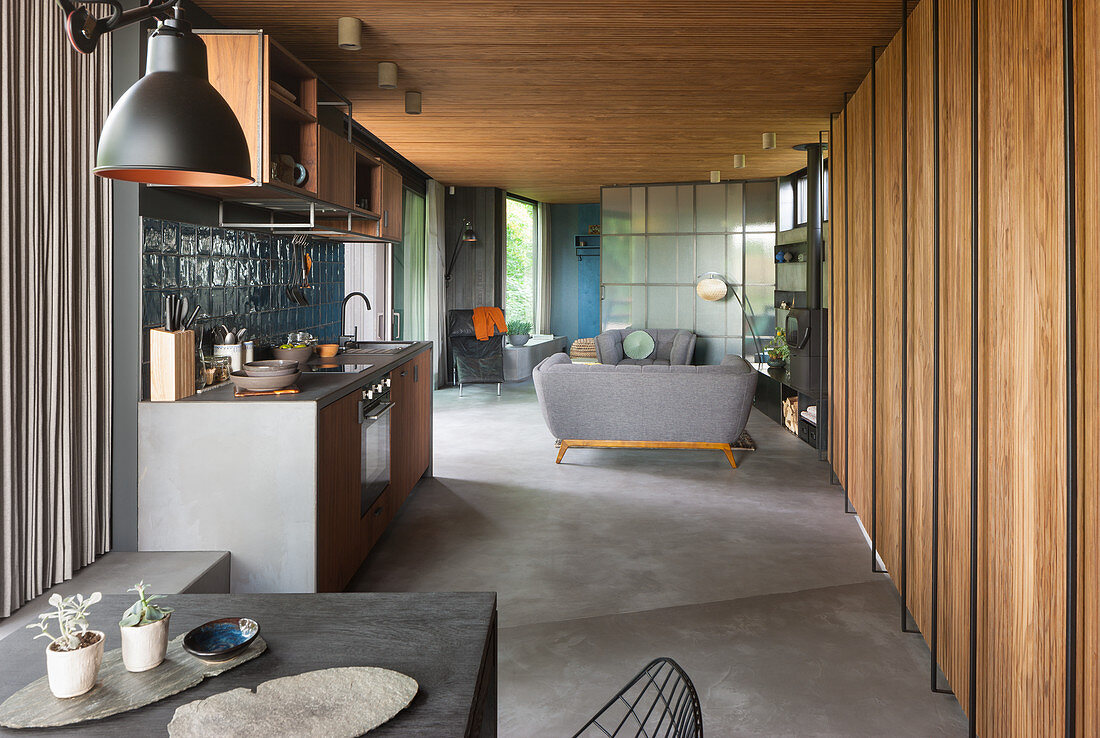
386 382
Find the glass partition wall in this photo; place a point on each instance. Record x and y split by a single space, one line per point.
658 239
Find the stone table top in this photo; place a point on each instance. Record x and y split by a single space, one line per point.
438 639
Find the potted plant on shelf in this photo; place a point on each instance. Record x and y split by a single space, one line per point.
73 657
778 351
519 332
144 629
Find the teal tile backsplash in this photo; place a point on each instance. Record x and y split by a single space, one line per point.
239 279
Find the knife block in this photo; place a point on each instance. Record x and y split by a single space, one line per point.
171 364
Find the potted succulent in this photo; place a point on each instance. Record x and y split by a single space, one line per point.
74 656
519 332
778 351
144 629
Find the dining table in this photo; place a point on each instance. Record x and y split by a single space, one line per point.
446 641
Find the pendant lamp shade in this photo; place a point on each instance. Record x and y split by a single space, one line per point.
172 127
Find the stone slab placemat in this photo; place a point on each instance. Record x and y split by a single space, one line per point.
116 690
329 703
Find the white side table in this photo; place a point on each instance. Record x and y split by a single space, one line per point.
520 360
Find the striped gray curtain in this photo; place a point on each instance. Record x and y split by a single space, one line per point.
55 294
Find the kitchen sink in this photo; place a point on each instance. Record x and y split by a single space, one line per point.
376 347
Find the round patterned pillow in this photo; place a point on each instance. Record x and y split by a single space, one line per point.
638 345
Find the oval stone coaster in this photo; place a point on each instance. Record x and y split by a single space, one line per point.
116 689
330 703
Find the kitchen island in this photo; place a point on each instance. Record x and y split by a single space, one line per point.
279 480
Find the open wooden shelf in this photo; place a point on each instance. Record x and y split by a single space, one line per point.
284 108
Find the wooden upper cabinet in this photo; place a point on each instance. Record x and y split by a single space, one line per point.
392 203
275 98
335 168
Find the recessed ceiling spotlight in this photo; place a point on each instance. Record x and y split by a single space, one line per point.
715 176
349 33
387 75
413 102
738 161
769 141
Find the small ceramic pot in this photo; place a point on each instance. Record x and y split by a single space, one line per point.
776 363
328 350
72 673
144 646
518 340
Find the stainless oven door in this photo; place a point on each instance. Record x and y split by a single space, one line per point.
375 465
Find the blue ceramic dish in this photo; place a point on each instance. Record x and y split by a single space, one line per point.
221 640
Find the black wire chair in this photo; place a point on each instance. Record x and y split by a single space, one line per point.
661 702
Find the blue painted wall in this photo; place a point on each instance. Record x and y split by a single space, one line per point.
566 221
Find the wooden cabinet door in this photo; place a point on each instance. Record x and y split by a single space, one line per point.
392 203
401 462
410 452
420 430
335 168
338 463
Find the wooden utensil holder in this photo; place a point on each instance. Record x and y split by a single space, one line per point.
171 364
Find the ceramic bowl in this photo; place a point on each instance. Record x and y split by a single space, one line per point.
270 368
221 640
300 355
328 350
263 384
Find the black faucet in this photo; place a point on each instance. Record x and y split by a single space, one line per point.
355 331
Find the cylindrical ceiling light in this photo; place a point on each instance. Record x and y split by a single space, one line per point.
738 161
387 75
769 141
413 102
715 176
172 127
349 33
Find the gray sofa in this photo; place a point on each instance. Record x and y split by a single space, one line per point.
651 406
674 346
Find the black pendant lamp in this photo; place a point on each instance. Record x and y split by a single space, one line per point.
172 127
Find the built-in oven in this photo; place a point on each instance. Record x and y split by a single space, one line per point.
374 419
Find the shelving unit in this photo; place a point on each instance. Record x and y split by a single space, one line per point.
279 102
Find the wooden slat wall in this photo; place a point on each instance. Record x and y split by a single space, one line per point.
1022 459
1087 103
1021 669
859 299
921 351
887 310
955 356
838 307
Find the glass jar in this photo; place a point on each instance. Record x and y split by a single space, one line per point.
215 369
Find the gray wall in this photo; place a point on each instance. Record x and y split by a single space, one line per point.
478 275
567 221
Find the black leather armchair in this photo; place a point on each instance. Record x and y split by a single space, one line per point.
475 362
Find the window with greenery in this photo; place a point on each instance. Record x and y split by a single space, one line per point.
519 260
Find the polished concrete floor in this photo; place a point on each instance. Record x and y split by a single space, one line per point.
753 579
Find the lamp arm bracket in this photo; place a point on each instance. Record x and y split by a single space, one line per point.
85 30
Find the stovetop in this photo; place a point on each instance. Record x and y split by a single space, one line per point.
339 368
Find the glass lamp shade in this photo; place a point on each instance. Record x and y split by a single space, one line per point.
172 127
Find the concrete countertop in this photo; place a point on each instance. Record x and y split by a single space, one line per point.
318 387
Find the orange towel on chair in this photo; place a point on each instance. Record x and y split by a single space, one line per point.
484 320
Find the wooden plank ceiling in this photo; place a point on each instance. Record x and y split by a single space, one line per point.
552 98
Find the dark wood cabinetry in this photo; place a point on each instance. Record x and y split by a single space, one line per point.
338 530
392 204
410 436
345 534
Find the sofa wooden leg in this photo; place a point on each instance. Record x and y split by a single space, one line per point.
729 456
565 444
